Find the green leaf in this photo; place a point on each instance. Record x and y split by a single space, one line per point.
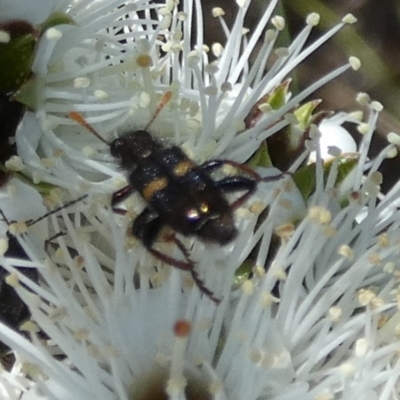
304 178
261 157
16 55
304 113
27 94
273 101
242 274
347 162
278 97
55 19
43 188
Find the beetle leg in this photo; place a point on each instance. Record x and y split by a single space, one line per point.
118 197
47 242
212 165
186 266
199 282
240 183
235 184
147 227
56 210
275 177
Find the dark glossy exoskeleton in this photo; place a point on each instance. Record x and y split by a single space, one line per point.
179 193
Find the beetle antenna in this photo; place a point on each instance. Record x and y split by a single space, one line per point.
164 101
56 210
77 117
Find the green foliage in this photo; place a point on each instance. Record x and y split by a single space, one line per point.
305 178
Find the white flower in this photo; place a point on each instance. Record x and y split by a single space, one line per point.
113 64
319 322
315 319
